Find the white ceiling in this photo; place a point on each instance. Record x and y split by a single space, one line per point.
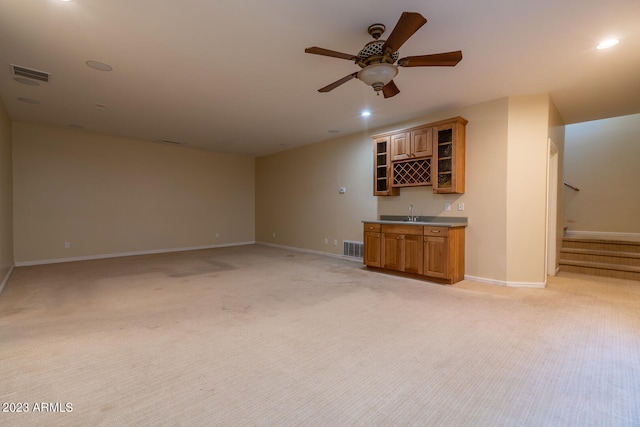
232 76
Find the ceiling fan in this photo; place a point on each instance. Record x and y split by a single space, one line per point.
377 58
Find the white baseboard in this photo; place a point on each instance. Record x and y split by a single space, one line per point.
309 251
536 285
6 277
124 254
602 235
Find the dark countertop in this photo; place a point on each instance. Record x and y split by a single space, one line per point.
436 221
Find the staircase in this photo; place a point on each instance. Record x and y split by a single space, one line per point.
610 258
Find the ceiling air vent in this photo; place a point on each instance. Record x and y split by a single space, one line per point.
30 73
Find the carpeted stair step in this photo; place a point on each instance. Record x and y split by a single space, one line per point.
601 269
602 245
601 256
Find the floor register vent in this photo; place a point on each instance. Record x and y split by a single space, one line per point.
352 249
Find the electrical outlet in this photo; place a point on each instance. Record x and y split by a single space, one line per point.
326 241
67 245
461 206
335 242
217 235
447 206
274 234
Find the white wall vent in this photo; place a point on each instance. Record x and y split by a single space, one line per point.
30 73
352 249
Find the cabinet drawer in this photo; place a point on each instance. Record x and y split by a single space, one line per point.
401 229
371 227
436 231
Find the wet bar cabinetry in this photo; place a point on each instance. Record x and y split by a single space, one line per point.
427 155
434 252
371 252
401 248
382 168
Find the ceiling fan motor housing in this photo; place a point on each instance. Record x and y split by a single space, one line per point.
372 53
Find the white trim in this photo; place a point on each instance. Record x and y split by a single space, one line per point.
536 285
602 235
6 277
309 251
125 254
551 212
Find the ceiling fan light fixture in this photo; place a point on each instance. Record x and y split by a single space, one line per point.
378 75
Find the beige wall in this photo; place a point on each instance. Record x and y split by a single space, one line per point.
297 195
107 195
6 195
505 197
527 158
602 160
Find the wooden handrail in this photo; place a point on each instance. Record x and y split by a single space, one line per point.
571 186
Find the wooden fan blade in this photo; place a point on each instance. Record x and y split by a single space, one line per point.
390 89
332 53
337 83
447 59
407 25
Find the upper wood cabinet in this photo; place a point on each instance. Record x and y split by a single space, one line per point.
412 145
431 154
382 170
448 157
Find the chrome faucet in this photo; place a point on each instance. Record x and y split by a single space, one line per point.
411 218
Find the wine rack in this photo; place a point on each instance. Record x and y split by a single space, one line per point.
412 173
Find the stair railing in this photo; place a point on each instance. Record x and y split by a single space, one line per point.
571 186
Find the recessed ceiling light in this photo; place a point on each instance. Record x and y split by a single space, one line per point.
100 66
28 100
606 44
365 113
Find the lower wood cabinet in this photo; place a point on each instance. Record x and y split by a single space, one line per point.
372 249
434 252
401 248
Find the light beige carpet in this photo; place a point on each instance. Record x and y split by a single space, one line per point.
257 335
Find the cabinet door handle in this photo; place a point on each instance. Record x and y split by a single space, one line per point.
435 231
